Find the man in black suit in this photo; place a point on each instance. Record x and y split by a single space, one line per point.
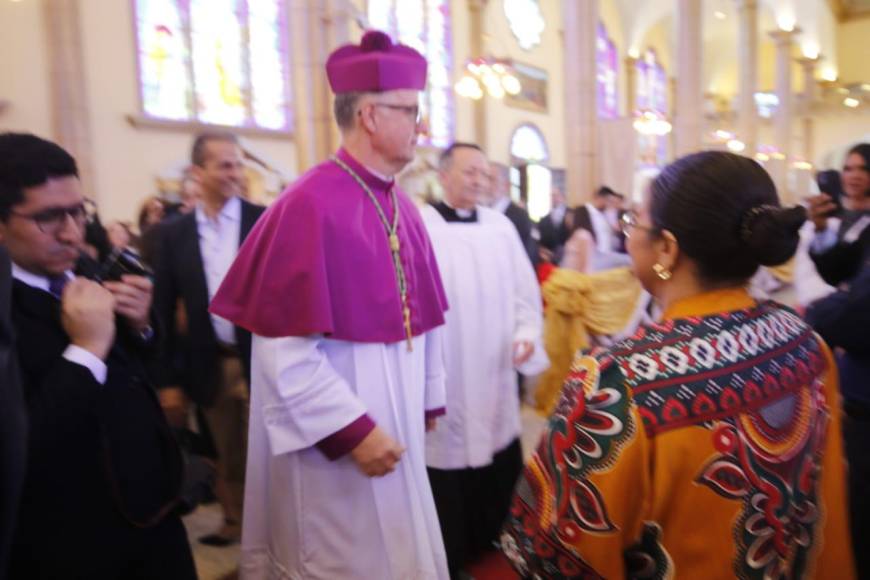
500 200
210 356
554 228
843 320
103 471
13 420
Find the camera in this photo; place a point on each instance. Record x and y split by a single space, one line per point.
123 261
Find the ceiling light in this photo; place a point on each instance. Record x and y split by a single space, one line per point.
719 15
851 102
735 145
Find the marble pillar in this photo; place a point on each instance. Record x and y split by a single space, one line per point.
689 109
70 110
747 58
476 13
580 20
782 122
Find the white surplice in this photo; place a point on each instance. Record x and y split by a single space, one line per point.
494 301
307 517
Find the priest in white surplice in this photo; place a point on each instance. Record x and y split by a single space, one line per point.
493 328
339 285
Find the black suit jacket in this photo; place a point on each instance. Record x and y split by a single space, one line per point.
192 356
843 261
523 223
553 236
102 461
13 420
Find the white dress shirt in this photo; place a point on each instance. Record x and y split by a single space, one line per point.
603 231
557 214
218 245
73 353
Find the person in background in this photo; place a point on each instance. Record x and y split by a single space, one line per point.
493 330
840 248
707 444
151 213
120 235
211 356
553 228
499 199
843 320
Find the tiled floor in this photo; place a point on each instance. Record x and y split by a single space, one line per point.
221 563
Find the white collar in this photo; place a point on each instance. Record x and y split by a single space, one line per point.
463 213
34 280
232 210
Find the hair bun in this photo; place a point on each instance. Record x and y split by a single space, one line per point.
772 233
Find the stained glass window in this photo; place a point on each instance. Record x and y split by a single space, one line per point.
221 62
608 107
652 84
424 25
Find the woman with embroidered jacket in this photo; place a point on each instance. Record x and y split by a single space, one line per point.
708 444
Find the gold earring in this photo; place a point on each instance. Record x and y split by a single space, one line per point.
662 272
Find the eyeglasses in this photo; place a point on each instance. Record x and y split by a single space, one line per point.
629 222
51 221
412 111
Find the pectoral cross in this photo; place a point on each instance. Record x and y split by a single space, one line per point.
406 315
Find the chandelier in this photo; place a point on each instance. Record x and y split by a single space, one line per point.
651 123
494 77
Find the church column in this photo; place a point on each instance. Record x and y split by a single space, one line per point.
782 121
581 117
315 30
70 111
476 13
689 113
337 22
747 48
808 96
630 64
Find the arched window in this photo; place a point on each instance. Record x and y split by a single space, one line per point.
606 64
221 62
652 84
530 178
424 25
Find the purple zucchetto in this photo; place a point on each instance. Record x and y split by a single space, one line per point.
375 65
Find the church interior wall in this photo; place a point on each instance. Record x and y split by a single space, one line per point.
853 42
24 69
501 119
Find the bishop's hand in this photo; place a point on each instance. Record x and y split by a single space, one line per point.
377 454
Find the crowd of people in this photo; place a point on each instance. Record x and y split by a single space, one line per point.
342 369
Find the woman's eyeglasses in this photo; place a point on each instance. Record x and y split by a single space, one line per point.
629 222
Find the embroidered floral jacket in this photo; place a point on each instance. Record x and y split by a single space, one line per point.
706 446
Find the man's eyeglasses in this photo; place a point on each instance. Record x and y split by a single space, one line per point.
412 111
629 222
51 221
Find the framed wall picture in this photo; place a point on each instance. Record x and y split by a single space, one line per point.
533 92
